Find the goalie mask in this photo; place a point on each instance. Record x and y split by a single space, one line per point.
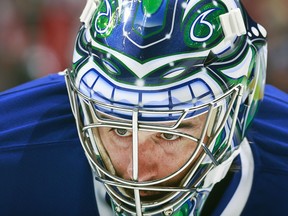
162 93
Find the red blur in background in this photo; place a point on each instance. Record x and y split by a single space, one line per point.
37 38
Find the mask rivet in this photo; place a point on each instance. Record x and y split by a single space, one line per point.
168 212
118 209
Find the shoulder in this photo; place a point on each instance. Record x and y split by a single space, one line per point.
43 168
274 100
271 122
33 109
53 80
269 143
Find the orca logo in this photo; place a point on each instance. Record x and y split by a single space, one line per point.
201 20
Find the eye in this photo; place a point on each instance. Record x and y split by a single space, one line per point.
122 132
168 136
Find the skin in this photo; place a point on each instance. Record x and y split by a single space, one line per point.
160 154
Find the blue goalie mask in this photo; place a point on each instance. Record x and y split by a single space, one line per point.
163 93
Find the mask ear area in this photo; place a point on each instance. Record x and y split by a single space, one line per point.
93 146
105 157
98 145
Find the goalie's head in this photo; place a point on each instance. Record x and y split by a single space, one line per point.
163 92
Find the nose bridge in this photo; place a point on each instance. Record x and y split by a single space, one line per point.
146 145
147 159
143 137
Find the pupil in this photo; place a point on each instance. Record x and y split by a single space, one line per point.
121 131
168 136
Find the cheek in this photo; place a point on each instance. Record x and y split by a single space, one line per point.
183 156
173 161
119 156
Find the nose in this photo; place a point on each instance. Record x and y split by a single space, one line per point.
148 158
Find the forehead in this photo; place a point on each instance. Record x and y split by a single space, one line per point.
191 122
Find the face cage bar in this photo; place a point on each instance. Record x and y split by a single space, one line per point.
113 181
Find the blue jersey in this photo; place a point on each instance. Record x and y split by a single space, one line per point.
43 169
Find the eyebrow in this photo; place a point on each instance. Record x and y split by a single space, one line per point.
183 125
186 125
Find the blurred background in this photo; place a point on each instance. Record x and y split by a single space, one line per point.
37 37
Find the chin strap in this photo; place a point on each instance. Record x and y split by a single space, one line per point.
220 171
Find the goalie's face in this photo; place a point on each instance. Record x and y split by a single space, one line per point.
160 154
162 93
